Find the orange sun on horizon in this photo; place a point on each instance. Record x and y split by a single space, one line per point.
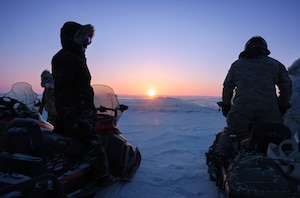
151 92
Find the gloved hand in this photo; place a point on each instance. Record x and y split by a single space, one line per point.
225 108
283 108
87 120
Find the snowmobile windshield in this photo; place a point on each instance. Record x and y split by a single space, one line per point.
105 97
23 92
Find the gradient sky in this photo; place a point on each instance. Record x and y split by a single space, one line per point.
176 47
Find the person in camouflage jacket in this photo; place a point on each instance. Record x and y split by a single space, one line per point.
250 95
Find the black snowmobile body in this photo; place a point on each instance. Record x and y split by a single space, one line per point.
37 162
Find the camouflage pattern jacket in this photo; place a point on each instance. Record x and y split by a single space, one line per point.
251 84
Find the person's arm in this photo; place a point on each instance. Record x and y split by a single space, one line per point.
228 87
227 93
43 103
64 73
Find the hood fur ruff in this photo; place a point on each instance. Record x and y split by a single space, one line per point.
85 30
47 79
294 69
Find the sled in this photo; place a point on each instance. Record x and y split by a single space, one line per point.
250 172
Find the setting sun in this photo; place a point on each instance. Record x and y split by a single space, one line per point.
151 93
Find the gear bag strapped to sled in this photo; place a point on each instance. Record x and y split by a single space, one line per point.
251 172
256 175
287 156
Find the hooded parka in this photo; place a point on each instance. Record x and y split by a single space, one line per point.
73 92
74 96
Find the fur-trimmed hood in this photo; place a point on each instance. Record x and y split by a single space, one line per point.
47 79
294 69
73 35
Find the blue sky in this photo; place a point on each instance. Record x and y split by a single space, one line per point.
176 47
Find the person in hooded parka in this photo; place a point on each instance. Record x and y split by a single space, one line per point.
74 95
292 116
48 96
249 93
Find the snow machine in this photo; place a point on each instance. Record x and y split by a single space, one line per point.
37 162
252 171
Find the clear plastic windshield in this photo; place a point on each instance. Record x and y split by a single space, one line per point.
23 92
105 97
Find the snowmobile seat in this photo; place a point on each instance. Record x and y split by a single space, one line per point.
59 144
24 136
263 134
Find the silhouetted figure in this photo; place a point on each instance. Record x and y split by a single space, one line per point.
48 101
249 93
76 113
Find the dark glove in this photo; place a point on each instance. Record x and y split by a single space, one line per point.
87 120
86 125
225 108
284 108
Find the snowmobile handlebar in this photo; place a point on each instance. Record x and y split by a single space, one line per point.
12 107
104 109
121 108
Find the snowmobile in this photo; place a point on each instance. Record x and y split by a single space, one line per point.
251 171
37 162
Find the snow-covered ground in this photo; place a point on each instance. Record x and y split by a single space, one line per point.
173 135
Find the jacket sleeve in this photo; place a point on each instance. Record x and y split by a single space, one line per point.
64 72
43 103
228 86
